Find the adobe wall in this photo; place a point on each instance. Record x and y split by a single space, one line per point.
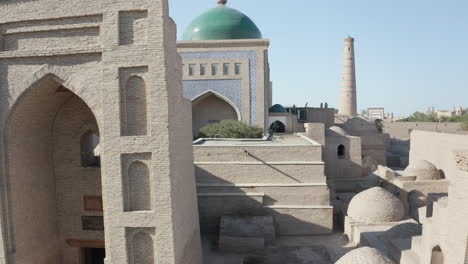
321 115
437 148
264 178
402 130
120 58
344 172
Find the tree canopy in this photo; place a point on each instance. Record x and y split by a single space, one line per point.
432 117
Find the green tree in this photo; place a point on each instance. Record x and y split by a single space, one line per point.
464 124
364 113
231 129
379 125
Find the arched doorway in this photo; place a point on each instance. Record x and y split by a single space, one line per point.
53 178
211 108
277 127
437 256
341 151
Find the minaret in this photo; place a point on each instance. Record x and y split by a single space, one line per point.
348 100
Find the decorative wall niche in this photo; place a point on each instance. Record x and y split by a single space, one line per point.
137 182
133 102
133 27
140 246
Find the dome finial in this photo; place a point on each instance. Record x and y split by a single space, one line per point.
222 2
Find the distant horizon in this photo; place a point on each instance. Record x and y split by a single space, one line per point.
409 55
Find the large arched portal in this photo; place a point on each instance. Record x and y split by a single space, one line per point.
53 180
211 108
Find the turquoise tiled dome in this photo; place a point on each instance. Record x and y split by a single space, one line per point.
222 22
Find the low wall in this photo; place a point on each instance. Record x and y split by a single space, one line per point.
402 130
282 178
438 148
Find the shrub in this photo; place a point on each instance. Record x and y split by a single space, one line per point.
231 129
464 124
379 125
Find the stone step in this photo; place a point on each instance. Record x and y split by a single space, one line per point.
212 206
285 194
248 227
296 220
257 172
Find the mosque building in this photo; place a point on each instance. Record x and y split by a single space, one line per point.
226 73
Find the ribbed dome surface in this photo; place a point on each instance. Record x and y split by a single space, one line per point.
376 205
222 22
364 255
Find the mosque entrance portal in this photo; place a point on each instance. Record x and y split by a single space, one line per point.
53 178
211 108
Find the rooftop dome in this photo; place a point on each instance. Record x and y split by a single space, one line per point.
376 205
222 22
277 108
360 126
336 131
364 255
423 170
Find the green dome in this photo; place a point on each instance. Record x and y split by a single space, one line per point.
222 22
277 108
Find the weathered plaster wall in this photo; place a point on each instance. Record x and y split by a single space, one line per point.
402 130
73 181
132 36
437 148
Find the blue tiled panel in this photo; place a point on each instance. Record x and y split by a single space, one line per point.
231 89
251 55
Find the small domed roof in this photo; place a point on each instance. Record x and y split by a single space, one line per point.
222 22
423 170
277 108
336 131
364 255
376 205
360 126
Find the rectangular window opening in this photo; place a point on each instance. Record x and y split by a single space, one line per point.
203 69
238 68
226 68
214 69
191 71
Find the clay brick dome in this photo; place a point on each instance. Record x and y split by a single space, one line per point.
376 205
364 255
336 131
423 170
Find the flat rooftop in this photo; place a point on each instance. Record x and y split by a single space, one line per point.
278 140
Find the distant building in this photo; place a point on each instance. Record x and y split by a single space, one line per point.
376 113
456 111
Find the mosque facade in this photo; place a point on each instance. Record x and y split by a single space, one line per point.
226 73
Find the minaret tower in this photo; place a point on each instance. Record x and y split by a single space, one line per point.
348 100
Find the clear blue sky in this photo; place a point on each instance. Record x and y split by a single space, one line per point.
411 54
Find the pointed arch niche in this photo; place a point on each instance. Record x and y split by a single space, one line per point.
140 245
137 182
43 143
133 102
211 107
